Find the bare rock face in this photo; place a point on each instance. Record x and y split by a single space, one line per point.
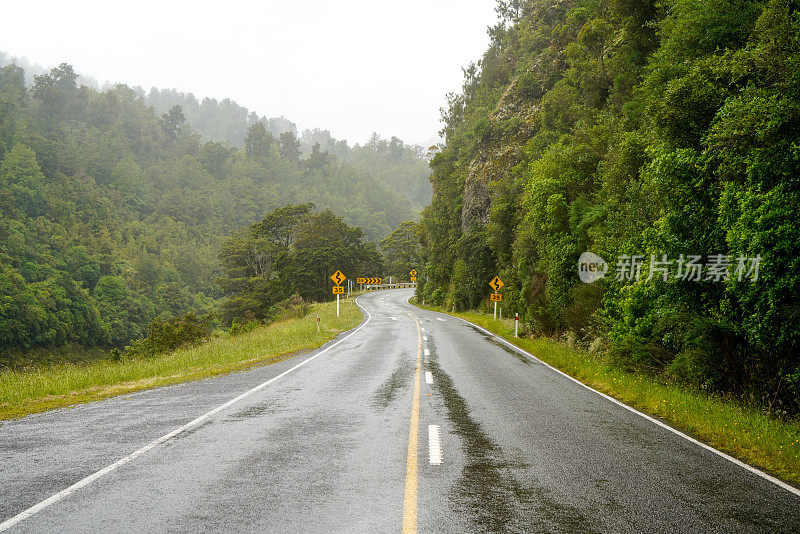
512 123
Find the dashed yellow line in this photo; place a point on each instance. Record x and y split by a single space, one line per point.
410 496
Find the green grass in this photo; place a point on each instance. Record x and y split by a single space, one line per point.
55 386
766 442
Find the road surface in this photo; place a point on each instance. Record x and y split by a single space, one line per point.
359 438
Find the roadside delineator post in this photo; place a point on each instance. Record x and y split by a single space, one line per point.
317 322
501 314
516 324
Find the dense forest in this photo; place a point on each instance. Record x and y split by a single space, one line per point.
660 136
113 215
400 167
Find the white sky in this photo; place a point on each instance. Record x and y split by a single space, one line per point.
351 66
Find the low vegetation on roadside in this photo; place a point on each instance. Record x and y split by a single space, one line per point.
764 441
37 389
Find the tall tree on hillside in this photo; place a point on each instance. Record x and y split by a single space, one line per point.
12 104
173 122
281 226
290 146
258 141
401 250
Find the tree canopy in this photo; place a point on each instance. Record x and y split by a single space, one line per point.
113 213
293 250
632 128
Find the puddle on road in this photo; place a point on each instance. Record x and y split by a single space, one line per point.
488 492
493 340
256 410
188 432
400 378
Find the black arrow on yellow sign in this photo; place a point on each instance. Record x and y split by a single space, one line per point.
338 278
496 283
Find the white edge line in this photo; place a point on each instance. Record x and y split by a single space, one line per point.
728 457
8 523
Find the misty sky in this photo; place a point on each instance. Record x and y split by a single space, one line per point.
351 66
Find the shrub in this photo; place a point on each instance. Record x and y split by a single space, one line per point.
437 298
292 308
166 335
243 326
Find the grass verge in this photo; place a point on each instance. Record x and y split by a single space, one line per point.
56 386
771 444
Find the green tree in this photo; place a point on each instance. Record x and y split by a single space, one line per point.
401 250
173 122
289 146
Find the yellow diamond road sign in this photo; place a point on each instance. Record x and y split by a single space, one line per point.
496 283
338 278
413 272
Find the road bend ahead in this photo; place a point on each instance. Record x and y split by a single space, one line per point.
415 420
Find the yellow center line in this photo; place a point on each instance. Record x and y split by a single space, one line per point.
410 497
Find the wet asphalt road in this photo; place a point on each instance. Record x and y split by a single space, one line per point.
324 449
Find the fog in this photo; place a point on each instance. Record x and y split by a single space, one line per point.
351 67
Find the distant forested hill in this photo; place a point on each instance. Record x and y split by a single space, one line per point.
112 214
402 168
215 120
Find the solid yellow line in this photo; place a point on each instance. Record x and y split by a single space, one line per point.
410 497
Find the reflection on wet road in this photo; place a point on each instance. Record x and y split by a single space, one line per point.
504 444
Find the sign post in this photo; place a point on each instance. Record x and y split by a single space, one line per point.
516 323
338 278
496 297
413 274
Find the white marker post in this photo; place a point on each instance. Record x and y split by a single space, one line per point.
516 323
317 322
501 314
495 310
337 304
